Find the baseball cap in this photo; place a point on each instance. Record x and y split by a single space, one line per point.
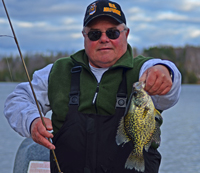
104 8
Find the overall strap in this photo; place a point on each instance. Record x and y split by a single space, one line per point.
121 99
75 85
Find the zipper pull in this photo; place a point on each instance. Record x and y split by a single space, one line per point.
95 95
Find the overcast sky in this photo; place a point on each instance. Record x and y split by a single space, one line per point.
49 25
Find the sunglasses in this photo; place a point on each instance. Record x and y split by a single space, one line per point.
111 34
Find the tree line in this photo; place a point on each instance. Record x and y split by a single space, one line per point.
187 59
12 69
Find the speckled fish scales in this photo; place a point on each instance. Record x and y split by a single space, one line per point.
139 125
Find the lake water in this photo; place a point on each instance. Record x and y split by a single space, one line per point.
180 146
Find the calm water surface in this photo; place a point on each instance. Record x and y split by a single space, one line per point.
9 140
180 146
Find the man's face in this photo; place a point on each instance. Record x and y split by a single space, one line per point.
105 52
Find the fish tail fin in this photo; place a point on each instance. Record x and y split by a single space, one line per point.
121 136
136 161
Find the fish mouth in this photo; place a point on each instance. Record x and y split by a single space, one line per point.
139 85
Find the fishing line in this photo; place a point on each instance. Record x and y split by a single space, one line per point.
6 36
29 80
7 59
9 69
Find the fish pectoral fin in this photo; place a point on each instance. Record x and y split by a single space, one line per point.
121 137
136 161
145 112
147 146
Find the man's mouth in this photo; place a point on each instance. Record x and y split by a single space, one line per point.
102 49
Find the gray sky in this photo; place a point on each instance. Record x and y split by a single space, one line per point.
49 25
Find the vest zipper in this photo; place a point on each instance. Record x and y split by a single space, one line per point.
95 95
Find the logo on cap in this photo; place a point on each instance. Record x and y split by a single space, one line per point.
112 8
92 9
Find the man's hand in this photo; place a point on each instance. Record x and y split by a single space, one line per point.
40 134
157 80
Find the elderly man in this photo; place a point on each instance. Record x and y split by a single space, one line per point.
84 92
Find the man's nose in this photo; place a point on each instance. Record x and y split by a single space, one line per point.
104 38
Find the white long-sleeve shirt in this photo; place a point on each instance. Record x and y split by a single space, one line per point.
20 108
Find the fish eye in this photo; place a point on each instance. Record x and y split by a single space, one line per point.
135 93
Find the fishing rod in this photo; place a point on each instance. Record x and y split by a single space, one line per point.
29 80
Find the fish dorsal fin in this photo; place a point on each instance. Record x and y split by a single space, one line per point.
158 117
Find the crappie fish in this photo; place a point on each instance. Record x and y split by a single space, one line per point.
140 125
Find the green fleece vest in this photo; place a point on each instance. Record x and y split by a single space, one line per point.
60 81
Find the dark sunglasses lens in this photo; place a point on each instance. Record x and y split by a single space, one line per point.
113 33
94 35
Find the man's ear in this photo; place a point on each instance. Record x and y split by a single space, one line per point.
83 33
127 32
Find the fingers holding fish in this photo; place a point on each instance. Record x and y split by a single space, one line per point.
157 80
163 89
160 87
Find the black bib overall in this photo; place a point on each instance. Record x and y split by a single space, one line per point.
86 142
